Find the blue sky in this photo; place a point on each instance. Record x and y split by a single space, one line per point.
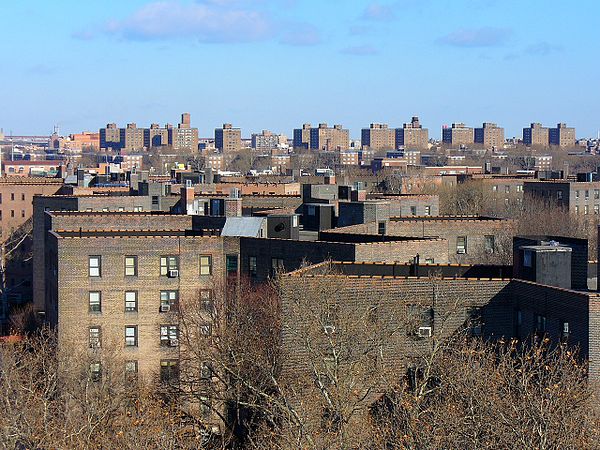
275 64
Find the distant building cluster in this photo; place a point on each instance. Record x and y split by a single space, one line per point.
131 138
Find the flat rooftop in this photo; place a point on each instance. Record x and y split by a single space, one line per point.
135 233
406 270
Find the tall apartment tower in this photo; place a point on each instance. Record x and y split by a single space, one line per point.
134 138
184 137
378 137
228 139
302 137
457 135
489 135
412 135
110 137
536 135
266 141
562 136
155 136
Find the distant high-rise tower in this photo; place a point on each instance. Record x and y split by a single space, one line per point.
412 135
458 135
228 139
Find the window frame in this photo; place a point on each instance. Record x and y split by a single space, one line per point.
171 300
134 266
168 334
135 300
168 259
90 308
203 266
92 269
95 336
134 336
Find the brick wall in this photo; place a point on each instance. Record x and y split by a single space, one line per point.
69 311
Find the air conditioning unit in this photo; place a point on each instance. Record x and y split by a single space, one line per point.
165 308
461 251
173 342
173 273
424 332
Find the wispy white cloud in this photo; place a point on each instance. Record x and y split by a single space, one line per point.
206 21
379 12
476 37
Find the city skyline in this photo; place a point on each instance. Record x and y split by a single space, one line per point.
351 63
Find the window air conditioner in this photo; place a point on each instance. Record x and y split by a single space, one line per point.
165 308
174 273
424 332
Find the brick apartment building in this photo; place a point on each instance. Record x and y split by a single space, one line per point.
537 135
490 307
322 137
469 238
228 139
131 138
489 135
458 135
378 137
412 136
578 197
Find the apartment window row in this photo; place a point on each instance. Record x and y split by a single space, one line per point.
169 301
169 265
169 335
169 370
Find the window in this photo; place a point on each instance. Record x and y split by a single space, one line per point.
131 301
206 329
12 213
231 264
23 197
252 266
490 243
596 209
131 269
494 188
587 194
428 210
206 371
518 322
168 300
131 336
22 213
131 368
381 228
540 323
96 371
413 210
95 266
565 331
527 258
155 199
507 189
429 261
461 244
596 194
169 336
95 301
576 209
206 300
420 320
276 266
577 194
12 196
585 209
519 188
205 406
168 264
169 370
205 264
559 195
137 209
95 337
